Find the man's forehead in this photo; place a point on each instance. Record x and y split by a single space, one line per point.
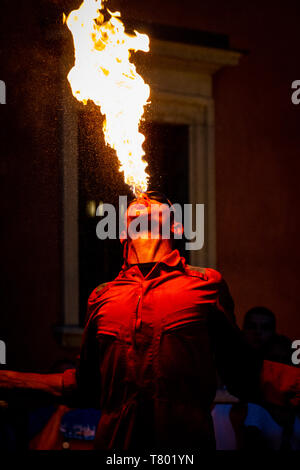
260 318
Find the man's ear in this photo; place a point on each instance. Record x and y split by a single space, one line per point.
123 236
177 229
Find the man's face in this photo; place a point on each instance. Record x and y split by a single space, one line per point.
258 330
148 219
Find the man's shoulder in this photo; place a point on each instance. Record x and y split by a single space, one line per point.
100 288
96 294
94 301
207 274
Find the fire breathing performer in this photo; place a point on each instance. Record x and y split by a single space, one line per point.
154 338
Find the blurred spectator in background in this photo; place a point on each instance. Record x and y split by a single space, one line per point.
273 427
259 327
251 426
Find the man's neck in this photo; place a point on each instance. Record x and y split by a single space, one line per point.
147 251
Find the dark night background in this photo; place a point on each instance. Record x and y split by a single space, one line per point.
257 145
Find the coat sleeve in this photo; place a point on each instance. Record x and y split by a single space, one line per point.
88 371
237 363
87 375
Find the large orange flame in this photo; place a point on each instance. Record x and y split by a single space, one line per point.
104 74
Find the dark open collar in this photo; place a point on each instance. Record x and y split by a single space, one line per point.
172 259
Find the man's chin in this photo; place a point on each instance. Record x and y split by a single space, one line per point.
145 237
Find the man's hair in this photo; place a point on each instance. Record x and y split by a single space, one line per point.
260 311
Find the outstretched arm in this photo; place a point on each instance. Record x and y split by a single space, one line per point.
75 385
56 385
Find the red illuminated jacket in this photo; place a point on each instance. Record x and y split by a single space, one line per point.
150 352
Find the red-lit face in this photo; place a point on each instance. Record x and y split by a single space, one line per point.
148 219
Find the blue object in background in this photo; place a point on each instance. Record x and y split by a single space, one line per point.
80 424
